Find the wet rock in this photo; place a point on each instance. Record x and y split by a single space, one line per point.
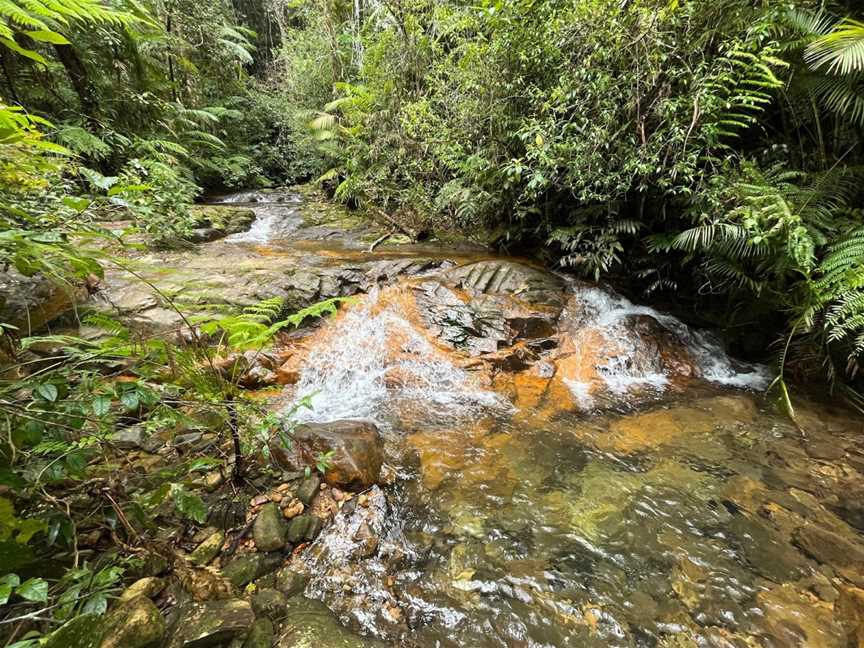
136 623
311 624
303 527
201 625
356 447
290 582
269 603
261 635
227 514
247 567
149 586
850 611
308 489
208 549
825 450
792 618
216 221
269 529
508 277
832 549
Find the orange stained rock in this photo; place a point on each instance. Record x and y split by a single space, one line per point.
640 432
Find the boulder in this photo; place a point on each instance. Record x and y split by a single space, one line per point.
356 446
84 631
208 549
303 527
290 582
149 586
261 635
245 568
269 528
212 623
511 278
269 603
136 623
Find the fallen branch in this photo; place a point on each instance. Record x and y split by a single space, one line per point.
381 239
396 225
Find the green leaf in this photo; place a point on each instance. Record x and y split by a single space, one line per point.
47 391
47 36
102 405
189 504
7 583
33 589
23 51
78 204
130 400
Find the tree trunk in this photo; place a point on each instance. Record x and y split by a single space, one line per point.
257 15
81 83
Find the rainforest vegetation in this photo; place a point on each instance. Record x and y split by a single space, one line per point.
705 156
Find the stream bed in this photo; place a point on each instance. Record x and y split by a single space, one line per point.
564 467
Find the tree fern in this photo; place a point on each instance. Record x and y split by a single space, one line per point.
42 20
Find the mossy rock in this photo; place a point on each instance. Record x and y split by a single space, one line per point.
137 623
244 569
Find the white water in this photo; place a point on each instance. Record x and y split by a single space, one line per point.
376 366
275 215
628 369
349 377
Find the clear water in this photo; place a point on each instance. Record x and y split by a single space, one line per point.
674 523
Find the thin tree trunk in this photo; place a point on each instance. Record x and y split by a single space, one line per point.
81 82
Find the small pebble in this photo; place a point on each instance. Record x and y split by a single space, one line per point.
282 488
276 497
259 500
293 509
337 494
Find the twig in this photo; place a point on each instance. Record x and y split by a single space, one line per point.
381 239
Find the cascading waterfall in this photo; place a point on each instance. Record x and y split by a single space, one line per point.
363 373
629 369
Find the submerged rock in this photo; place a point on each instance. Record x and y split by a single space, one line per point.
357 453
310 624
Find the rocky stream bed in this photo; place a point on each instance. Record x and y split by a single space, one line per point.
519 460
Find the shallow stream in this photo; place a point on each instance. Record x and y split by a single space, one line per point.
603 477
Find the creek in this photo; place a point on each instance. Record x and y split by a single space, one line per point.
566 468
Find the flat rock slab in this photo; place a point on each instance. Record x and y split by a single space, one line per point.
213 623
